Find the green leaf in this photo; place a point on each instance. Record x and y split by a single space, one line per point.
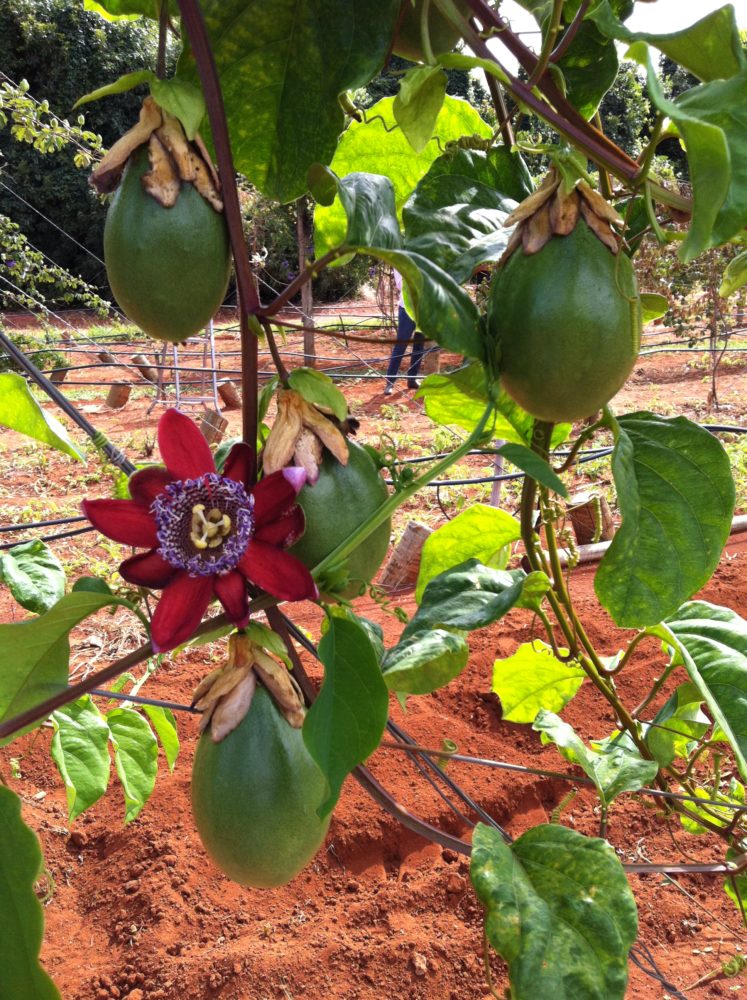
535 466
535 587
425 661
676 497
127 82
418 103
373 630
318 388
712 642
467 597
711 48
21 914
182 99
91 585
35 654
533 679
269 640
456 214
589 68
480 532
735 275
559 911
135 757
80 749
20 412
618 768
378 146
126 10
677 725
711 120
282 67
458 399
345 723
34 574
721 815
164 723
653 306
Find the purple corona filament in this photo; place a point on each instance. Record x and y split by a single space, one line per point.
204 525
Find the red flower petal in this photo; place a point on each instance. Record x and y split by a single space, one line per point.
240 463
274 494
148 569
146 484
285 530
180 610
123 521
230 589
277 572
184 450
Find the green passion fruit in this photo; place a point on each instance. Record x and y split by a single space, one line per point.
443 34
341 499
255 796
567 322
168 268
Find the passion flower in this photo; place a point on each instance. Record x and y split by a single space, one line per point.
206 534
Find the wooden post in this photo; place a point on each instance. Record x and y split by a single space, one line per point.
307 293
229 394
145 367
106 358
404 563
58 376
119 393
213 426
431 358
591 518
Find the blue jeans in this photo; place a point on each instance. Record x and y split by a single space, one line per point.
405 331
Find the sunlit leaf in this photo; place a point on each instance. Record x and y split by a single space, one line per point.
418 103
135 757
534 679
33 574
425 661
80 749
20 412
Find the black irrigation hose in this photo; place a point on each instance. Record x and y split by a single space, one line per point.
43 524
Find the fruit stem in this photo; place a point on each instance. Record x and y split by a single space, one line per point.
397 499
249 304
163 31
277 360
425 35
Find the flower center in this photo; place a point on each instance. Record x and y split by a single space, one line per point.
204 525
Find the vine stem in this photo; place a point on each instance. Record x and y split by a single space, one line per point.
299 281
548 44
163 30
249 304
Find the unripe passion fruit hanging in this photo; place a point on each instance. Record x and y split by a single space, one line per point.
342 498
168 268
408 41
255 796
567 322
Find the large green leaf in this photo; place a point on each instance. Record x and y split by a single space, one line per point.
425 661
345 723
20 412
456 214
676 497
535 466
80 749
114 10
617 768
559 911
534 679
34 575
480 532
282 67
467 597
35 653
677 725
378 146
711 120
590 66
21 914
711 48
712 642
135 757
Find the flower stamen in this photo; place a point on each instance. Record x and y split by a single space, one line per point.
208 532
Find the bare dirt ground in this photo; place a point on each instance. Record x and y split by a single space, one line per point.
140 912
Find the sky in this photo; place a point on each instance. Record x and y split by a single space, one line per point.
661 16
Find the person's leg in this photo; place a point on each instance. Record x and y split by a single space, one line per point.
405 328
416 359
